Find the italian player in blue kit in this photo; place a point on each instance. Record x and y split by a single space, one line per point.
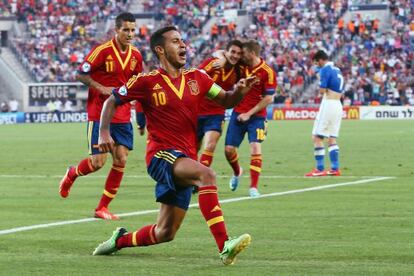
328 120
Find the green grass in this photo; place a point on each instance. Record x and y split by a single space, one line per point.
364 229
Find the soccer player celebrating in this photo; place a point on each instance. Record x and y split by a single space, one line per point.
170 98
108 65
328 121
211 115
250 116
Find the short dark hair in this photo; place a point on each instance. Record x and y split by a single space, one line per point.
253 46
234 42
320 55
158 39
122 17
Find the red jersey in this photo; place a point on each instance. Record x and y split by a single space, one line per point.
107 65
138 107
266 86
170 107
225 78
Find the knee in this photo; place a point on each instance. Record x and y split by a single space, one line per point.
120 161
97 163
208 177
166 234
229 150
211 146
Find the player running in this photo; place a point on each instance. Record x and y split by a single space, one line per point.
108 65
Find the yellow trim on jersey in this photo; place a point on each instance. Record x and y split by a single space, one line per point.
270 74
97 50
215 220
187 71
134 238
123 63
178 92
223 74
209 66
254 70
254 168
108 194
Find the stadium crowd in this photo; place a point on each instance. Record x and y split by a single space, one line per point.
375 64
378 64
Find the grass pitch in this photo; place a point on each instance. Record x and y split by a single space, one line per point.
364 227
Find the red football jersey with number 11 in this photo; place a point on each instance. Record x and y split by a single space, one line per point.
107 65
170 106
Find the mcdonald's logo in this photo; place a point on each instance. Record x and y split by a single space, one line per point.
278 114
353 113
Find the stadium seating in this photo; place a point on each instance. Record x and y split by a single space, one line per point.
375 64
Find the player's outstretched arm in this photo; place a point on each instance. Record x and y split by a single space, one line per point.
88 81
231 98
244 117
105 141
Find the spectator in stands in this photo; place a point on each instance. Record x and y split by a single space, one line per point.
14 105
4 107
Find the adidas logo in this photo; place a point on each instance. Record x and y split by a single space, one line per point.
216 208
156 87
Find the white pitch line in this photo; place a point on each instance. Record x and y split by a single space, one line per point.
316 188
147 176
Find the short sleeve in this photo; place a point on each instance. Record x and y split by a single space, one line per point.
323 78
208 86
92 61
132 90
271 83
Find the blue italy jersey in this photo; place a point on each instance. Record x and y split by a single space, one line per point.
331 78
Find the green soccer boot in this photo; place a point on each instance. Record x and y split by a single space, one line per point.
232 247
108 247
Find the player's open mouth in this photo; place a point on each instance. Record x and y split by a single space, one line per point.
182 54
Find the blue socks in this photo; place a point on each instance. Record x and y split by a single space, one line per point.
334 156
319 157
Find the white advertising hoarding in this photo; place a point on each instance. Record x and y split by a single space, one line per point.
386 112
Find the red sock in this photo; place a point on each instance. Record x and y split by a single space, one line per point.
143 237
207 158
234 163
255 169
211 210
113 181
83 168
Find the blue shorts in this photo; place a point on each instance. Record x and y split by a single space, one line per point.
256 129
166 191
209 123
122 133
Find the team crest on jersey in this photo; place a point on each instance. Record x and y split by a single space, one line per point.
86 67
133 64
122 90
193 85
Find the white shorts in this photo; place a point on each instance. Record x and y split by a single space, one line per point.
328 120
